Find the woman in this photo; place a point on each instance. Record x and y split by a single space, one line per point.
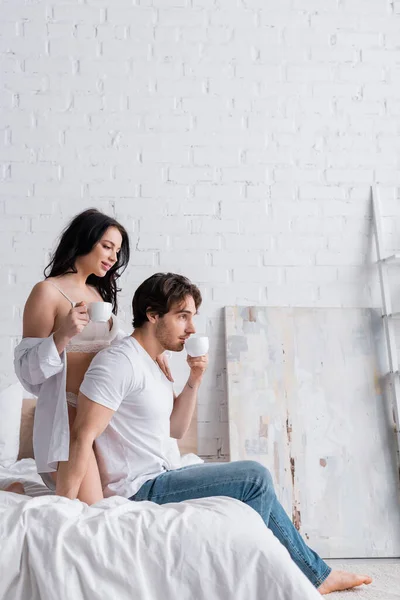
59 341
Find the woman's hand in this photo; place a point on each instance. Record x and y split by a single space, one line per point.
75 321
163 364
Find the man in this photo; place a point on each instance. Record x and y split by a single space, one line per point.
127 405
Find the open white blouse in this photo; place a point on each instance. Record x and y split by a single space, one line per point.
42 372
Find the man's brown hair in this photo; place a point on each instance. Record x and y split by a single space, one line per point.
159 293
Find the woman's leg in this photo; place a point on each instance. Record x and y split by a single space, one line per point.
15 488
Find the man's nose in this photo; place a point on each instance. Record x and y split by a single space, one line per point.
191 328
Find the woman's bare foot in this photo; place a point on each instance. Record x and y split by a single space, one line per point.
341 580
16 488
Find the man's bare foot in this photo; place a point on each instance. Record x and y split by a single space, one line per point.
16 488
341 580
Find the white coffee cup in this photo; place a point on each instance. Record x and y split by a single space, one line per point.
197 345
99 312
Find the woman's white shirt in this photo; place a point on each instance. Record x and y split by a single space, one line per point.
42 372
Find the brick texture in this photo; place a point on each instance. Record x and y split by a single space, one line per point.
236 140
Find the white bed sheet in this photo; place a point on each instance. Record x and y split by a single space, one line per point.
25 472
214 549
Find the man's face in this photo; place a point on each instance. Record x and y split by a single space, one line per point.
177 325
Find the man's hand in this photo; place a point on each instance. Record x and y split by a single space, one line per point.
198 366
185 403
90 422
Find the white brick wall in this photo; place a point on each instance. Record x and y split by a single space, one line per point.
236 140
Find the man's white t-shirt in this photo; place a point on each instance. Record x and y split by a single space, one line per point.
133 448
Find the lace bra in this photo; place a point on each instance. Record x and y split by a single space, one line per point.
94 337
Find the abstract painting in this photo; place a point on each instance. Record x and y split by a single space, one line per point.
307 399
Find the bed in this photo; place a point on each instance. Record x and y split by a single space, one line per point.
214 549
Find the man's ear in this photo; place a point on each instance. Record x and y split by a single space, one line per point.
152 316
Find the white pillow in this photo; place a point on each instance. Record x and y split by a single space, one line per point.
10 422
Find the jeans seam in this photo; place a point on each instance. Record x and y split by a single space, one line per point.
294 551
252 481
322 578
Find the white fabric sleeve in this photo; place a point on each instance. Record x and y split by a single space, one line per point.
109 378
35 360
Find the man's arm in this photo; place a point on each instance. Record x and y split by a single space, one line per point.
91 420
185 403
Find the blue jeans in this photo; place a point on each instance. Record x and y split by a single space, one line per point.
245 480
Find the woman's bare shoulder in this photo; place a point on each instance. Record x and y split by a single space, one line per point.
44 290
42 294
40 310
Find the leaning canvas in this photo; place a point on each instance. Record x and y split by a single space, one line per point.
307 398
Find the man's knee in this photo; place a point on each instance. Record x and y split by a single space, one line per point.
257 472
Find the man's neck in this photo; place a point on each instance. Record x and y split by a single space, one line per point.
148 342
